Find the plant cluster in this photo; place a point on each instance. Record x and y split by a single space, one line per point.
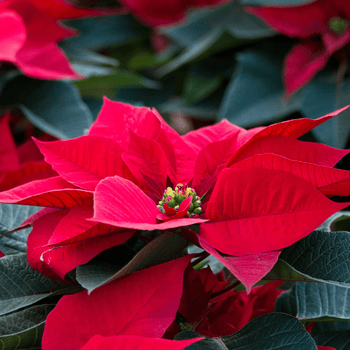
119 232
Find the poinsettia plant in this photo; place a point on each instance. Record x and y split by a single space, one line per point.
122 203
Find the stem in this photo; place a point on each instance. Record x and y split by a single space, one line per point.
143 238
200 257
228 288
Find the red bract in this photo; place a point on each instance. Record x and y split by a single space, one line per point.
322 26
19 164
132 342
30 31
159 13
141 304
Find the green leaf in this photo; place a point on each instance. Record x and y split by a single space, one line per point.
22 286
168 246
11 216
337 340
313 301
24 329
216 41
231 17
321 256
53 106
200 83
100 32
100 86
339 221
255 93
272 331
323 95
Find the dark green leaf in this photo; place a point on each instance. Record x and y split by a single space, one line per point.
337 340
337 220
231 17
143 96
255 94
312 301
23 329
100 86
21 286
166 247
271 331
324 95
200 83
205 109
216 41
321 256
99 32
53 106
11 216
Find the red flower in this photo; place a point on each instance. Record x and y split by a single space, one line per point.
322 26
30 31
159 13
261 190
130 159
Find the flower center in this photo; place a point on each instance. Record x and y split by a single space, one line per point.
173 198
338 25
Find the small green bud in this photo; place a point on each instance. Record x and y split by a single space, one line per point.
338 25
191 207
171 203
197 210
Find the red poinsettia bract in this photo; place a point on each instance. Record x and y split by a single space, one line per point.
322 26
132 310
30 31
159 13
253 192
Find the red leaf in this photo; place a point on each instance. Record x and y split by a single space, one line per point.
119 202
200 138
51 192
74 227
132 342
296 127
211 159
46 62
39 56
181 155
117 118
302 63
310 152
86 160
145 156
8 153
249 269
60 9
297 21
197 291
56 261
331 182
258 211
26 173
143 303
13 35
